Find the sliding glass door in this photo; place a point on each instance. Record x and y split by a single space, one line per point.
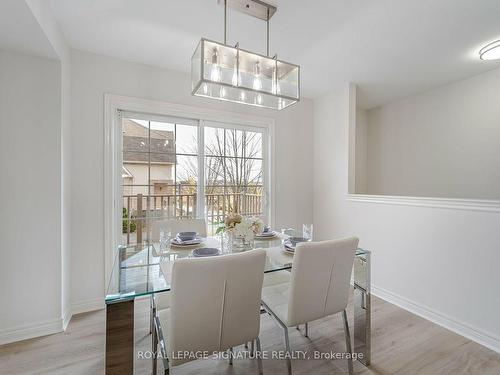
161 162
233 172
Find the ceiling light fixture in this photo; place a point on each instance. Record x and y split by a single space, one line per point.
228 73
490 51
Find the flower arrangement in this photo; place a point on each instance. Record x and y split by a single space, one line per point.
239 227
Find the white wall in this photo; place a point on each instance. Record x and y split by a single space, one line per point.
92 77
442 143
50 31
440 263
361 154
30 196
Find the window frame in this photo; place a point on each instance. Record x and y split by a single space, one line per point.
116 105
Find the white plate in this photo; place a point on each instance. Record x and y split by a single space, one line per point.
195 242
266 235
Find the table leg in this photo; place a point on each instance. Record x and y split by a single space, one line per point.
362 308
120 338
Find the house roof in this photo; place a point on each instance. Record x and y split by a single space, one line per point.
136 146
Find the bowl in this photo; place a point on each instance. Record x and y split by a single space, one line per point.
186 236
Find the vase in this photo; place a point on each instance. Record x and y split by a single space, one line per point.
240 243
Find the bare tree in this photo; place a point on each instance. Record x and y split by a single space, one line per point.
233 166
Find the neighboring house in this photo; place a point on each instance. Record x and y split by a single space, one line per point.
138 162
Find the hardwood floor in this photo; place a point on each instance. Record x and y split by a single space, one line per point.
402 344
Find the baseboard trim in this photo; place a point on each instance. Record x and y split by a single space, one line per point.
92 304
67 315
29 331
477 335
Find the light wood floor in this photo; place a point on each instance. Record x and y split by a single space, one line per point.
402 344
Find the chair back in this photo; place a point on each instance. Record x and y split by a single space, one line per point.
215 303
320 279
178 225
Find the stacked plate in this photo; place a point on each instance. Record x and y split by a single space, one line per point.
205 252
291 243
266 233
183 239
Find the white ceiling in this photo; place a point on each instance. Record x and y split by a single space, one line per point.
390 48
20 31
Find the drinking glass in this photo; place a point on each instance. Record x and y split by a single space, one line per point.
165 236
307 231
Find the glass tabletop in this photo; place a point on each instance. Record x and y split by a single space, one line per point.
140 269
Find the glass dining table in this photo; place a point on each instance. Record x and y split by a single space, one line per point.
142 270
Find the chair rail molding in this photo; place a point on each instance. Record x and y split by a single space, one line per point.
483 205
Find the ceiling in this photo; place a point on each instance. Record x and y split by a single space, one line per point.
20 31
390 48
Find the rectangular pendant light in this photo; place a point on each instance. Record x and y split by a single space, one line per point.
222 72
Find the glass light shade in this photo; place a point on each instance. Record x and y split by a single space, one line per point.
228 73
490 51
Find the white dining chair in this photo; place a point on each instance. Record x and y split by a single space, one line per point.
214 306
161 301
178 225
318 287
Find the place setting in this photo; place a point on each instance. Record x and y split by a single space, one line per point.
186 240
267 233
290 243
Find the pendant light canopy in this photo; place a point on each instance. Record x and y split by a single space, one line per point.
223 72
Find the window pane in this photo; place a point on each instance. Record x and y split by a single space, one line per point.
243 172
186 206
214 141
234 142
163 201
135 139
186 170
214 174
252 201
253 172
162 137
252 145
186 139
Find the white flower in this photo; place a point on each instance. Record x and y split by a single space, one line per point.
244 230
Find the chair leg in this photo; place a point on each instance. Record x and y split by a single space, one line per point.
259 357
231 356
306 326
287 341
151 315
287 348
252 347
154 350
347 342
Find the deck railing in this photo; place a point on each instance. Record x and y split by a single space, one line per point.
139 208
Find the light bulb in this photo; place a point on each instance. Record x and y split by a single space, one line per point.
257 83
235 78
275 85
205 88
242 95
259 99
222 92
215 72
